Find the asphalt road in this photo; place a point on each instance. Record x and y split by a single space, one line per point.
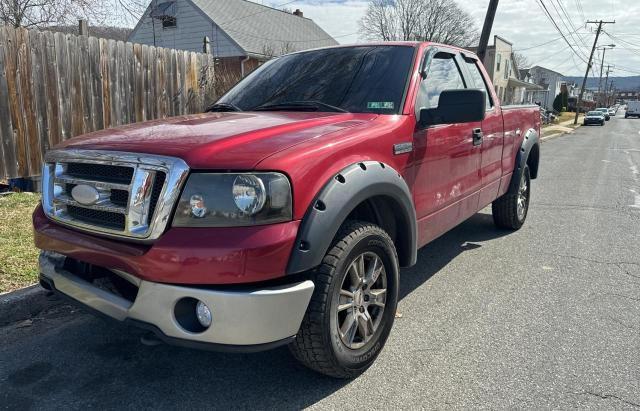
547 317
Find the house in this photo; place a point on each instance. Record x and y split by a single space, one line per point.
502 68
551 83
240 33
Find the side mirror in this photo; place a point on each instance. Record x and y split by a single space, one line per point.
455 106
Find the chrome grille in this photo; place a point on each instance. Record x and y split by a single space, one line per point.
130 195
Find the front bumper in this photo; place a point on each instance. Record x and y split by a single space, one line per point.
248 319
233 255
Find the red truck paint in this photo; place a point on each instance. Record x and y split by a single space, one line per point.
449 178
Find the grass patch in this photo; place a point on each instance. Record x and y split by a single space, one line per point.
566 116
18 255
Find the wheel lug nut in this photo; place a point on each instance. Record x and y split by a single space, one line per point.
361 309
366 298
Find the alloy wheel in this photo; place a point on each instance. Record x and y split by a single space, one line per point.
362 300
523 197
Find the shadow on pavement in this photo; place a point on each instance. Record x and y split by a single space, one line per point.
91 362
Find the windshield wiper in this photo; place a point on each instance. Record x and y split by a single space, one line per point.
222 107
310 105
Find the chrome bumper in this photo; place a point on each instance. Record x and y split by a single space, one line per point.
240 318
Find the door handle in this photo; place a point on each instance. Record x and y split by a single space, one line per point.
477 136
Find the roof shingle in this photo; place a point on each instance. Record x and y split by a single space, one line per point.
257 28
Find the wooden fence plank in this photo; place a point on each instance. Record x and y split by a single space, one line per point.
55 86
9 160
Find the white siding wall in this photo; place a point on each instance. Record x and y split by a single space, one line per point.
192 26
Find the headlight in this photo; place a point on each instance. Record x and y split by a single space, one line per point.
228 200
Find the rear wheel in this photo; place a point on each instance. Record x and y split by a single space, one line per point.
510 210
353 305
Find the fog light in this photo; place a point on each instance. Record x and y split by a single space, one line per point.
204 314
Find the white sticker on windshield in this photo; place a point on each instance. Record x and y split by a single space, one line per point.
388 105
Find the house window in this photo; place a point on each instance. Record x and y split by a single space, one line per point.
506 69
166 13
498 61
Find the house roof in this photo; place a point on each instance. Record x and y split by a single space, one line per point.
259 29
546 69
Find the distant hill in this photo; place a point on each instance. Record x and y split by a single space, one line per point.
621 83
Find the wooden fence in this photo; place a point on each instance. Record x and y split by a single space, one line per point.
55 86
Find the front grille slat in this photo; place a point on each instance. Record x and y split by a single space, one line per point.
68 179
112 179
155 194
101 172
111 220
120 197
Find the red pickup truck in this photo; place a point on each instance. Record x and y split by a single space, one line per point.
284 213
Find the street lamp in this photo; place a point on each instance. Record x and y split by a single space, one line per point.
604 50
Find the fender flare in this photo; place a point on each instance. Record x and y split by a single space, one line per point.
531 140
338 198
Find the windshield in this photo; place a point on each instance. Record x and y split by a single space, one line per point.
364 79
594 113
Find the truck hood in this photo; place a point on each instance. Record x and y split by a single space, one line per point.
236 140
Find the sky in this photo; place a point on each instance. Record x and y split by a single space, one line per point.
523 23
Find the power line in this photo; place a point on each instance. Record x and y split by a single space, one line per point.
550 17
542 44
572 29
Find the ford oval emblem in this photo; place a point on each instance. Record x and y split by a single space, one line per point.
85 194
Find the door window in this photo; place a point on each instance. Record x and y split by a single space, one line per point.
443 74
477 80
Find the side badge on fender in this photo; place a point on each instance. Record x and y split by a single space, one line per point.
402 148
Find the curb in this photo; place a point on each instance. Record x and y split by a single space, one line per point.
25 303
555 135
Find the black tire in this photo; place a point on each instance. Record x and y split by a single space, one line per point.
505 209
319 344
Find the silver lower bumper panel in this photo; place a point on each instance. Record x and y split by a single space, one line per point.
248 317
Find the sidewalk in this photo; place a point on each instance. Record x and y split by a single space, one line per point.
555 130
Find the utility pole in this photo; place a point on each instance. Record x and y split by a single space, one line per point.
604 50
586 74
606 93
486 29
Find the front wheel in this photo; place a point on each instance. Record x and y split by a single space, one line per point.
510 210
353 305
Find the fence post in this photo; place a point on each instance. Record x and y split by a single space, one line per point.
206 45
83 27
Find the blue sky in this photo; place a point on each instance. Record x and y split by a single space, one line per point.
523 23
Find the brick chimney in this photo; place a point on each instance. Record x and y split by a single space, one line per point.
298 13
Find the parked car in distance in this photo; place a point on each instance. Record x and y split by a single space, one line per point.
594 117
605 111
282 216
633 109
612 112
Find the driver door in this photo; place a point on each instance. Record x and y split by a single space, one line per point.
447 157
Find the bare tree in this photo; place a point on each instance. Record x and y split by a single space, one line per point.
42 13
441 21
39 13
270 51
521 60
